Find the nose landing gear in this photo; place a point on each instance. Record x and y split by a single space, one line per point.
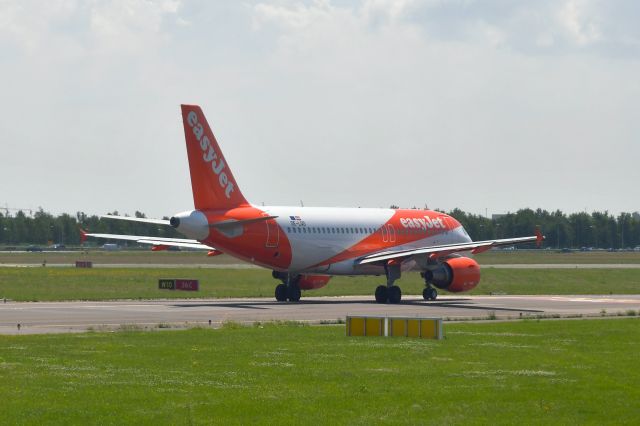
429 293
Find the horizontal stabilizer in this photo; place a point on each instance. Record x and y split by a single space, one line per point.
154 241
232 222
138 219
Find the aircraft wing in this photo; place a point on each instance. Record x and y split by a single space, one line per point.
435 252
155 241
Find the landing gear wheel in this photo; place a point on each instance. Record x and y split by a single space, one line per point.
281 293
395 294
381 294
294 293
429 293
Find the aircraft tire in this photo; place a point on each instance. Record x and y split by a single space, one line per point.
281 293
434 294
294 293
395 294
429 293
381 294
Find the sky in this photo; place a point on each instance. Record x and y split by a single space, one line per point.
488 106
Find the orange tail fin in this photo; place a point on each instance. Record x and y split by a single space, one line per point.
212 182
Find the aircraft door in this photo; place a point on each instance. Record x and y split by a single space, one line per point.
273 233
392 233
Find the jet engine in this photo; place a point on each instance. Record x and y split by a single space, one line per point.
304 282
455 274
311 282
192 223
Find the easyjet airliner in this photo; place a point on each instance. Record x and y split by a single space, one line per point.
305 246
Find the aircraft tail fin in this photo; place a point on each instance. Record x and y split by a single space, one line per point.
212 182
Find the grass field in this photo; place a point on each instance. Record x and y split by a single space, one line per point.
193 258
550 372
49 284
504 257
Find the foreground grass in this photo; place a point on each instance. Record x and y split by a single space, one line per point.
50 284
554 372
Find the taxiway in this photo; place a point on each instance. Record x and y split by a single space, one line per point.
51 317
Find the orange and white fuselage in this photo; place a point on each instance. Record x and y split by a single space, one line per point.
322 240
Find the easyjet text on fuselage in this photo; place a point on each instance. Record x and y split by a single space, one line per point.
422 223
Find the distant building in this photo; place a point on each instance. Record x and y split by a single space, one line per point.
496 216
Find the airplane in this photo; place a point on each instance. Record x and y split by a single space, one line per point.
306 246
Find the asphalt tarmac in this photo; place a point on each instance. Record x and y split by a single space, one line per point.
60 317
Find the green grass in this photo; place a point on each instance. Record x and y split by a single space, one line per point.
191 258
550 372
505 257
116 257
50 284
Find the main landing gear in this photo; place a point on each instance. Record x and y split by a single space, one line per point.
289 289
390 293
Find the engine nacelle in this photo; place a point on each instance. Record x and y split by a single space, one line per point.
193 224
456 274
305 282
311 282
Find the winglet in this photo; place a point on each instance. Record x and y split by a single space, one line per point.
83 235
539 237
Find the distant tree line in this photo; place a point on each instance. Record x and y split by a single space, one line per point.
43 228
598 229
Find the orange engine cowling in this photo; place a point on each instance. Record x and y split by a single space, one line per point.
456 274
310 282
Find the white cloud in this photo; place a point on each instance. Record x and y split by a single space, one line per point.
580 25
454 103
